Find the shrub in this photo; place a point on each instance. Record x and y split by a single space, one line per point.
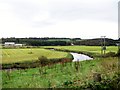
118 53
110 54
43 60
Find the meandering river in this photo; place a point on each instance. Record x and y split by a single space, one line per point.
80 57
77 56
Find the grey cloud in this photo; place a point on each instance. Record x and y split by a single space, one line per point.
64 10
74 10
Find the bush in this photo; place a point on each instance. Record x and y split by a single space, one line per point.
118 53
43 60
110 54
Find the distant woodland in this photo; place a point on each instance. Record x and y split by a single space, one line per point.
46 41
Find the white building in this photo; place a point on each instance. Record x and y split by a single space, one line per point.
9 44
12 44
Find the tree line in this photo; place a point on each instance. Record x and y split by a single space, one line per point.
46 41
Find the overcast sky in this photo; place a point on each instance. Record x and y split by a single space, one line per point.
59 18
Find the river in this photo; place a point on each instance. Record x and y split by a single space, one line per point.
80 57
77 56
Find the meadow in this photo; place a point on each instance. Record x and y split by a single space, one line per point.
21 55
94 49
31 54
61 75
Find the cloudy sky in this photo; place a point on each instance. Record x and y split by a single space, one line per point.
59 18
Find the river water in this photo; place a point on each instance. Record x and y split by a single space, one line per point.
80 57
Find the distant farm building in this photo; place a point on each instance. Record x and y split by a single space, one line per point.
9 44
12 44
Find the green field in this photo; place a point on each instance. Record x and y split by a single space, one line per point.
94 49
20 55
61 75
91 50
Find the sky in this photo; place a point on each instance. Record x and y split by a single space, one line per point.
59 18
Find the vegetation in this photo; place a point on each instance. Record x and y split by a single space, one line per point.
89 50
37 63
33 41
43 60
97 42
66 76
31 54
118 51
54 72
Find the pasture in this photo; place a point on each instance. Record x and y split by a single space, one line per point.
93 49
30 54
20 55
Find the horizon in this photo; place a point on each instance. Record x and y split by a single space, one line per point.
60 37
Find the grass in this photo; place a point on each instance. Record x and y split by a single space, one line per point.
20 55
60 76
95 50
69 75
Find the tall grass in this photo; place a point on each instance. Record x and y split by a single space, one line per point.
60 76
